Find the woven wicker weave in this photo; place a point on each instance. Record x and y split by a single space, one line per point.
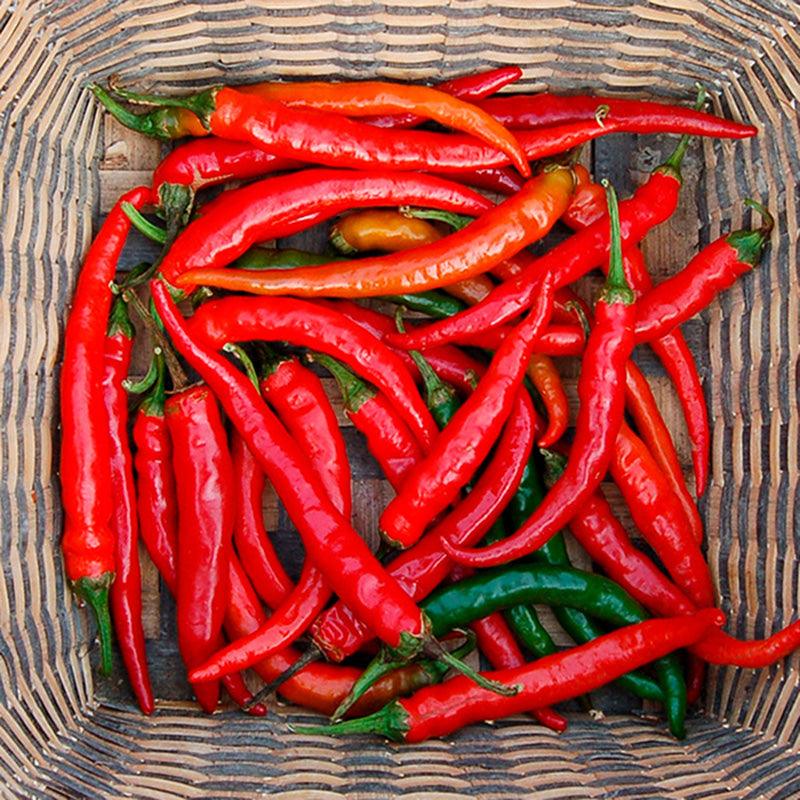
62 734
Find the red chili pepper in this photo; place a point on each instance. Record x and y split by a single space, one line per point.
234 116
305 324
388 438
712 270
280 206
302 405
501 180
331 543
658 514
88 542
555 340
200 163
204 484
589 205
496 235
155 484
601 394
440 710
476 86
651 204
466 441
421 568
545 378
254 547
126 591
638 116
651 426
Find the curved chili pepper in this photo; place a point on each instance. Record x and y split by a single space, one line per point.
388 437
126 591
601 394
544 376
500 180
322 328
359 99
280 206
658 514
440 710
650 205
88 542
331 543
302 405
589 205
651 426
204 485
499 233
392 231
254 547
200 163
463 445
324 137
418 570
473 87
712 270
638 116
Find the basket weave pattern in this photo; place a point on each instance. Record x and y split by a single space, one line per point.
58 738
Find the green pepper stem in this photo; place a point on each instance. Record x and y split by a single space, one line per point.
153 403
241 356
769 221
145 383
202 104
554 465
390 722
119 321
338 240
384 663
94 592
434 649
673 164
616 289
355 392
175 202
143 225
455 221
136 122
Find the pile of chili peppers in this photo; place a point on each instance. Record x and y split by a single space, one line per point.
437 195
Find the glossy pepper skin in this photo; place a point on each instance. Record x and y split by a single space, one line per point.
88 542
126 591
466 441
322 328
332 544
496 235
300 401
280 206
421 568
650 205
204 484
658 514
261 562
440 710
638 116
602 402
369 98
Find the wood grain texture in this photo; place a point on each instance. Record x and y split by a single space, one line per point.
63 734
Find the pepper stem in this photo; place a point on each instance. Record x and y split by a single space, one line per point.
142 385
309 657
455 221
554 465
673 164
750 244
355 392
244 360
435 650
153 404
616 289
437 392
338 240
202 104
143 225
141 123
94 592
385 662
391 722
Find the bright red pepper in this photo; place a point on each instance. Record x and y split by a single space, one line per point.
442 709
545 378
494 236
601 394
126 591
88 542
301 323
331 543
466 441
204 484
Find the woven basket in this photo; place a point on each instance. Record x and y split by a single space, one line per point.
62 734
